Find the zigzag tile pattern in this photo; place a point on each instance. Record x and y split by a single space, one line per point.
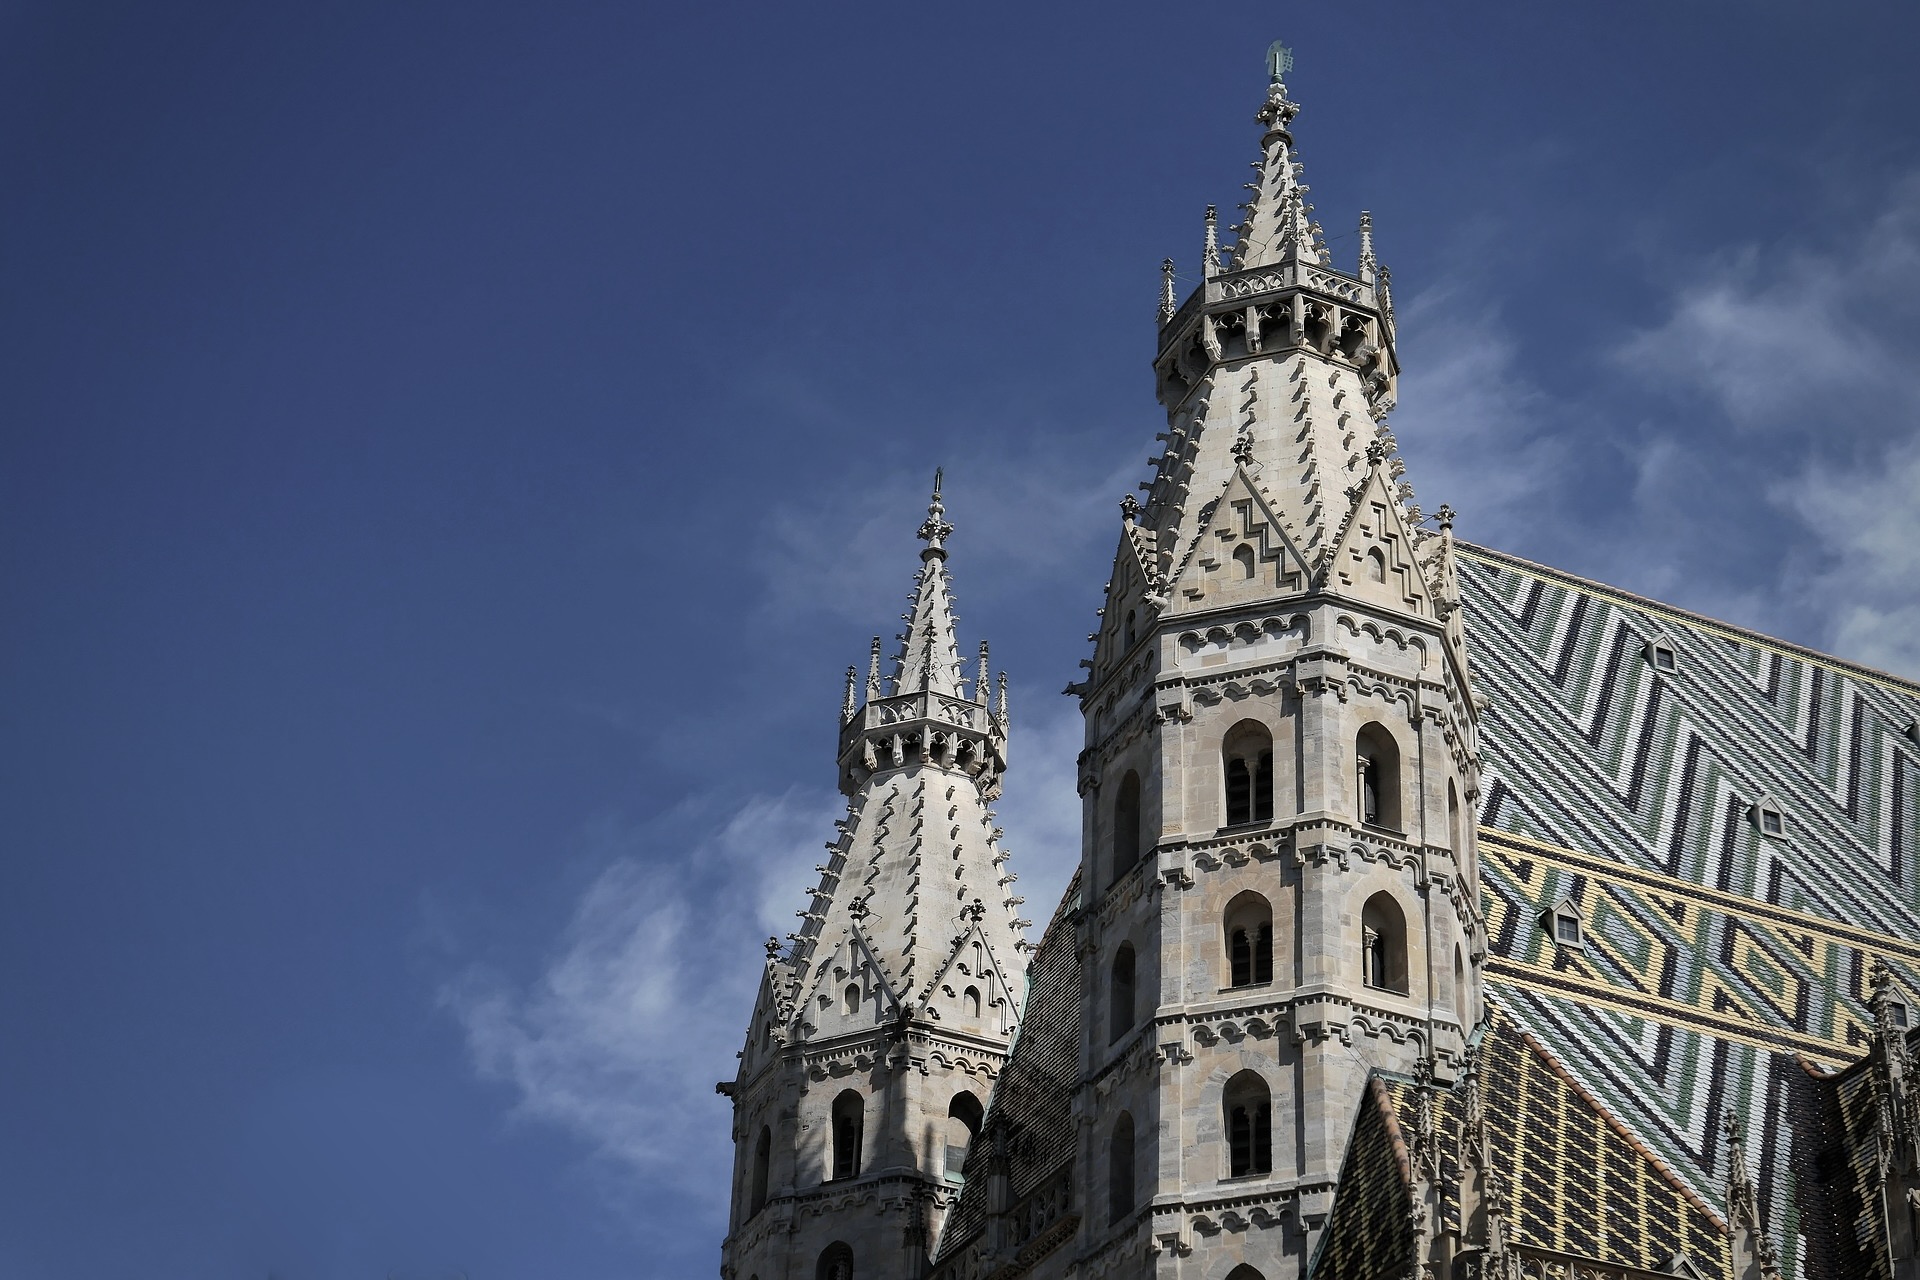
1715 954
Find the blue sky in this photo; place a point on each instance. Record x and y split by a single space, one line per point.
448 454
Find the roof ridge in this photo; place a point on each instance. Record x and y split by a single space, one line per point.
1688 617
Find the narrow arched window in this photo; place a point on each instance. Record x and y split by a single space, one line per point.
970 1000
1131 632
1120 1162
963 1126
1376 566
1460 984
1120 993
849 1119
1249 1116
1243 561
1244 1272
1377 777
1126 825
1383 944
762 1162
850 999
1454 830
1246 755
1249 926
836 1263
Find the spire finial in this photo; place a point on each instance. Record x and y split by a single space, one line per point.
1166 290
1368 266
850 702
873 670
934 530
1210 253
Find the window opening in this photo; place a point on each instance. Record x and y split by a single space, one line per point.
1249 1126
849 1117
963 1126
1126 825
1249 925
1120 1162
1247 751
1120 993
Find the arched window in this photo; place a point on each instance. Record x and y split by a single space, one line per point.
1459 984
1249 1117
1244 1272
1454 830
970 1001
1376 566
1377 777
850 999
1249 925
762 1161
1243 561
1120 993
1132 633
1246 755
1126 825
849 1118
1120 1162
963 1126
836 1263
1383 943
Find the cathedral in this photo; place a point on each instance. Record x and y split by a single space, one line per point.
1439 915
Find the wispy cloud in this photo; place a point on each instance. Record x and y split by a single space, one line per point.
1805 360
638 1008
1478 434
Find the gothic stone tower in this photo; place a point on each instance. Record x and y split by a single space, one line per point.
1278 867
877 1035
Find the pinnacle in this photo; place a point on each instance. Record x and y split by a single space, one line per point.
929 658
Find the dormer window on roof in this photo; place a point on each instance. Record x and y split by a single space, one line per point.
1769 818
1662 654
1564 925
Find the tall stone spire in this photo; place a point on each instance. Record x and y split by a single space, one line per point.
1279 774
881 1029
1280 366
929 659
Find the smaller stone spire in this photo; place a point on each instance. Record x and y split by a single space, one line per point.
1369 266
1167 304
1210 251
980 685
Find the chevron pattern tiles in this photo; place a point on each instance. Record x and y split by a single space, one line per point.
1735 821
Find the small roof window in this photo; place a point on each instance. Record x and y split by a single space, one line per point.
1770 818
1564 925
1662 653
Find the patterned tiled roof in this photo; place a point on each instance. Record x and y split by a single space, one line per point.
1579 1183
1030 1117
1717 956
1370 1231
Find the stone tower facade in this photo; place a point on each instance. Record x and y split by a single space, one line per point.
1280 772
878 1032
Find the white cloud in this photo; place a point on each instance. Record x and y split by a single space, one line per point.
1798 336
1811 355
644 999
1041 808
1867 576
1477 435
